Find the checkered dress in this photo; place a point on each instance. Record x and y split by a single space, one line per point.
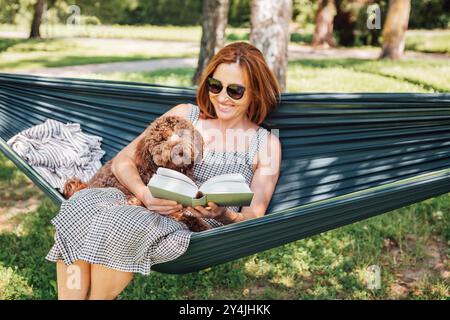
96 225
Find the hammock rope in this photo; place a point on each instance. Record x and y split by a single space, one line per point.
346 157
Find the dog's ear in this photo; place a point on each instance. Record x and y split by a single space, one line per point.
143 152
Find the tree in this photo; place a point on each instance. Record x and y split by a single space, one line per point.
37 19
323 32
214 22
270 33
394 29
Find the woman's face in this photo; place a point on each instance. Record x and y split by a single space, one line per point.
226 108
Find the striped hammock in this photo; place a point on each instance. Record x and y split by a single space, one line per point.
346 157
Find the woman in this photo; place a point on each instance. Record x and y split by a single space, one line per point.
235 94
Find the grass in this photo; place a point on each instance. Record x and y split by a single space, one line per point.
409 245
359 75
330 75
146 32
16 54
433 41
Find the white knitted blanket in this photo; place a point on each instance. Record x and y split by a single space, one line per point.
58 151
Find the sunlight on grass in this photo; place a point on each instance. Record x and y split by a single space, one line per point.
179 77
13 286
32 54
340 75
428 40
376 75
304 79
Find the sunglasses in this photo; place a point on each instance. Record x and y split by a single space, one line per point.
234 91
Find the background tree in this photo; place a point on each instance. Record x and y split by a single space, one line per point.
346 20
37 19
214 21
270 33
394 29
323 32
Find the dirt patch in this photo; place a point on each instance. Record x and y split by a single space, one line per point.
9 216
434 264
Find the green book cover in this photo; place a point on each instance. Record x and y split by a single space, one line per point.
224 190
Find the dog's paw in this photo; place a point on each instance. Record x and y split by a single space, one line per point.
133 201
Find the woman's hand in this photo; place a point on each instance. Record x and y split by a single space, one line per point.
212 211
162 206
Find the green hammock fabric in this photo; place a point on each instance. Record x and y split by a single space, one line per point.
346 157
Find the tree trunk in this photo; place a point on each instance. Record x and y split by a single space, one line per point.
214 22
394 29
37 19
323 33
270 33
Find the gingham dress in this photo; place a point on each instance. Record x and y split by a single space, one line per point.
96 225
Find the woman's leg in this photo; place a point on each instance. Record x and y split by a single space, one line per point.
107 283
73 280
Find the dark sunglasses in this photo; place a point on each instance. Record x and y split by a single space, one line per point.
234 91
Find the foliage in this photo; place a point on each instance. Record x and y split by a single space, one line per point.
239 13
304 12
429 14
351 28
350 24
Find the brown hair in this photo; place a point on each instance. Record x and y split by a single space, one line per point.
263 86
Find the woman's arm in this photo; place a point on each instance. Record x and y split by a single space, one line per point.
263 185
124 169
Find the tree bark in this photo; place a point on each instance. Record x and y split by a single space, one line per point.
394 29
323 32
214 22
270 33
37 19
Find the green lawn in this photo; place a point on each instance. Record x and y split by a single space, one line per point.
435 41
16 54
410 245
147 32
330 75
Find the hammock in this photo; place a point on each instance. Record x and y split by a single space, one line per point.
346 157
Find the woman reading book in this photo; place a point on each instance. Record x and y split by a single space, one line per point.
235 94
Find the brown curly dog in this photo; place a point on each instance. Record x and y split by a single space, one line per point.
170 142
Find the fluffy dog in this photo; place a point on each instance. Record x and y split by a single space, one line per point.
170 142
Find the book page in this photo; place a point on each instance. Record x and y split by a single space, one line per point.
227 187
175 175
173 185
228 177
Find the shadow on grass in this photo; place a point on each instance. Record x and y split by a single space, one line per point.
5 44
76 60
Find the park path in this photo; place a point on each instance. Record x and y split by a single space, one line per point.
295 52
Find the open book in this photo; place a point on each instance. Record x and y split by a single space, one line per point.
224 190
